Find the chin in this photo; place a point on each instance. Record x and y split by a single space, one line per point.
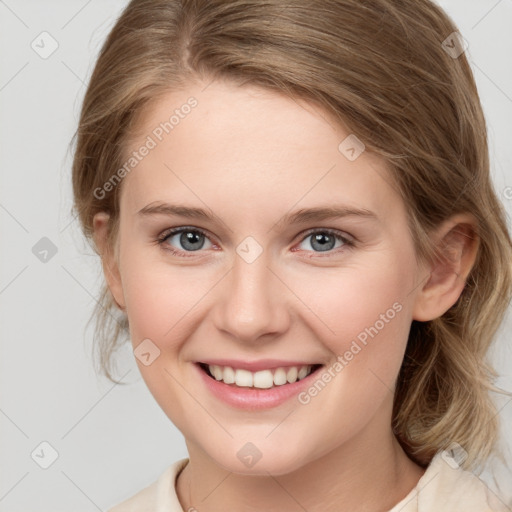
260 459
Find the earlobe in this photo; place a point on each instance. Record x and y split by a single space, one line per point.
108 259
457 248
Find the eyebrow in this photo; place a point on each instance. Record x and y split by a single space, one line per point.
298 217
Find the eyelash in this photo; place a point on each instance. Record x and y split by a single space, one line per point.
347 242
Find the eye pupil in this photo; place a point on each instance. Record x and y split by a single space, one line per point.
326 242
191 240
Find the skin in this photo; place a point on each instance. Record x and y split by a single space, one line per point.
250 156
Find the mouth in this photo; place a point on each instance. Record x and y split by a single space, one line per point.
262 379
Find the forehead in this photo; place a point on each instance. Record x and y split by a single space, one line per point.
250 150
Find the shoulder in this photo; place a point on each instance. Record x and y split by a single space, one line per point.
160 495
446 487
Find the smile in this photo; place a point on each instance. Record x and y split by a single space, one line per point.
263 379
253 386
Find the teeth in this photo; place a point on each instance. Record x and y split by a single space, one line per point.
217 372
243 378
302 372
263 379
280 377
291 375
228 376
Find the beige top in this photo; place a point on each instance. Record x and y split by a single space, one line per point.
444 487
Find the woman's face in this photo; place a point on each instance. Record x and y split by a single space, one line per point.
265 281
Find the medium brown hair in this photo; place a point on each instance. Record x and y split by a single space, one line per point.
380 69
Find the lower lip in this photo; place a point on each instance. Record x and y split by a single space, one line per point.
254 398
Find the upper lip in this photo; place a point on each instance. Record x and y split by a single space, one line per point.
254 366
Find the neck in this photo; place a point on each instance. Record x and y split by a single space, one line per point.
370 474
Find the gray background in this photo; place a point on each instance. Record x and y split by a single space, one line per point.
113 440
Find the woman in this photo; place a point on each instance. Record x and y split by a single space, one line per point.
294 212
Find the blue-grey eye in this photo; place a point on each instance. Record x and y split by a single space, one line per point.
322 241
188 240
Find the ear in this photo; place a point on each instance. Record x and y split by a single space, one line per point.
108 257
457 247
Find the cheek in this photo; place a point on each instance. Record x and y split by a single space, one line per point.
159 297
161 303
369 312
349 300
363 314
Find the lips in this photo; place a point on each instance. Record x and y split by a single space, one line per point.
256 390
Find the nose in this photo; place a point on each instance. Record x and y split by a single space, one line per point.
253 302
